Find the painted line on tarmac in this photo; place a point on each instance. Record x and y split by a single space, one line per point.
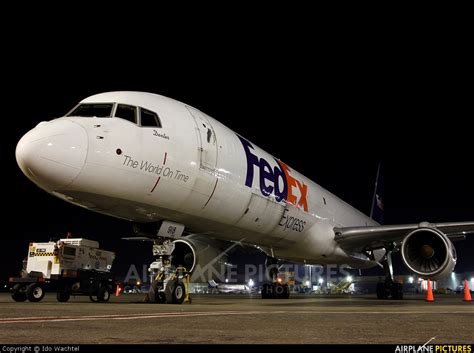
92 316
34 319
381 312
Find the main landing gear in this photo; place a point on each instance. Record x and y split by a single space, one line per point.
275 289
169 285
389 288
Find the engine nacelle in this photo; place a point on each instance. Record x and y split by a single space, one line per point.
205 260
429 253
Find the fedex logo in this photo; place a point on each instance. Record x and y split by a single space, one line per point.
277 180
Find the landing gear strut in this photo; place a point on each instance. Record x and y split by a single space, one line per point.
389 288
275 289
169 285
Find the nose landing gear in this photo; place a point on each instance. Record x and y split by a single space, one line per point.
169 284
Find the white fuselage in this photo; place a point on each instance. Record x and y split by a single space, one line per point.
192 170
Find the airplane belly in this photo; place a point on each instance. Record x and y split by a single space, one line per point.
315 245
261 214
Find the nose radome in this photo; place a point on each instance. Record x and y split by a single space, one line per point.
53 153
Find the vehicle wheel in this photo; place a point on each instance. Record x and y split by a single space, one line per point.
399 296
175 292
103 295
267 291
397 291
381 294
280 291
18 293
156 295
34 292
93 298
63 296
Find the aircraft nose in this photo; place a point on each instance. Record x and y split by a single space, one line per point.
53 153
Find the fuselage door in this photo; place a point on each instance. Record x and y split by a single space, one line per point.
207 141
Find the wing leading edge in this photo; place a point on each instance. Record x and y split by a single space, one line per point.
377 237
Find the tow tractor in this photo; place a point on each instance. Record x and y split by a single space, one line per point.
68 267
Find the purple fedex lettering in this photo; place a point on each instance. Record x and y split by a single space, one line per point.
251 161
269 178
266 173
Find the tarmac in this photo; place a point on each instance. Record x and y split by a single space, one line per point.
235 319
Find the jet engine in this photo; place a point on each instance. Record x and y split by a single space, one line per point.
428 253
205 260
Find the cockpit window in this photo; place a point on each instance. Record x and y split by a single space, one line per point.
126 112
99 110
148 118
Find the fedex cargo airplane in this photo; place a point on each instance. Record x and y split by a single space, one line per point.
171 168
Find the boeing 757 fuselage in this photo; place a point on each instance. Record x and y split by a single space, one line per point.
151 159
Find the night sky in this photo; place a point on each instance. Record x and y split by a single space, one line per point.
331 112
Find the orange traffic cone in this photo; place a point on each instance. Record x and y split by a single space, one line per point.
429 293
118 290
467 292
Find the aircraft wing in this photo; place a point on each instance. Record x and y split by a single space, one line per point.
377 237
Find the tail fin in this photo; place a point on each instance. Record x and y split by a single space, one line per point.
377 210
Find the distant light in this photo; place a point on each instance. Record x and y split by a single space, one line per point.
320 280
279 280
226 280
138 283
411 279
453 275
349 278
307 283
251 283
